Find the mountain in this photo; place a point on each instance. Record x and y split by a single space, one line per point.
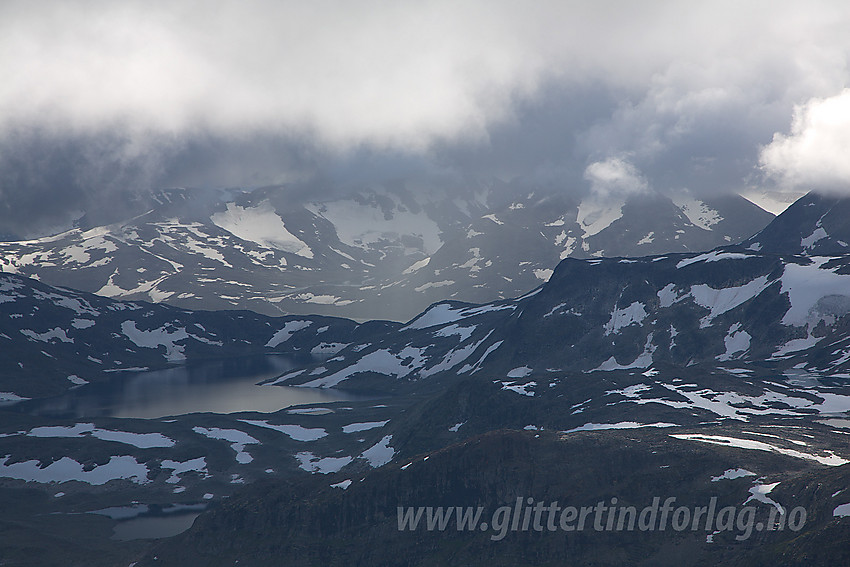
814 225
731 312
383 253
721 375
746 311
689 375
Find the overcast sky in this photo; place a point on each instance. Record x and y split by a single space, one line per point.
101 97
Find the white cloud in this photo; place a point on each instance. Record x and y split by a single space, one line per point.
816 154
397 74
614 177
135 94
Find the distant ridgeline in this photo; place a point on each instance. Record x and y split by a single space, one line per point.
377 254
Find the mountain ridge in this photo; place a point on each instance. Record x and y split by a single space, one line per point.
381 253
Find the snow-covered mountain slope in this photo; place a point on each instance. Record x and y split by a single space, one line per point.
52 339
380 253
729 308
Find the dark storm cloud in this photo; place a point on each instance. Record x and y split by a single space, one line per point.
111 98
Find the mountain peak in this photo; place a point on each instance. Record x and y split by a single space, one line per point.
814 225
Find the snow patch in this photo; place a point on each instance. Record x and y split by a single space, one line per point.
841 511
295 432
619 425
543 274
155 338
808 288
321 465
831 459
736 341
714 256
719 301
198 465
67 469
417 266
731 474
262 225
284 334
595 215
522 389
634 314
520 372
380 453
697 212
237 439
365 426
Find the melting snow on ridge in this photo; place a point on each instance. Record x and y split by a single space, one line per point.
260 224
714 256
360 225
738 406
697 212
462 332
832 459
439 314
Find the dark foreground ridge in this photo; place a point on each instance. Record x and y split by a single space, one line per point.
304 523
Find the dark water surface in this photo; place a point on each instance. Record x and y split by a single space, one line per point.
221 386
